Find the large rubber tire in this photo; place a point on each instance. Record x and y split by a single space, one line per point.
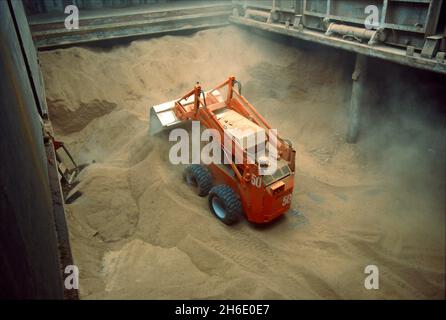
225 204
200 178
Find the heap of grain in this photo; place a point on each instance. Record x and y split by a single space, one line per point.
138 231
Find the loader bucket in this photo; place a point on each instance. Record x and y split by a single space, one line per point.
162 116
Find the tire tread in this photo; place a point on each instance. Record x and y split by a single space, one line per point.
231 202
203 178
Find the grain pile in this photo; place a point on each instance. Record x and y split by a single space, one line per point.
138 231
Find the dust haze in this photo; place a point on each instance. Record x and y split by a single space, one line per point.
138 231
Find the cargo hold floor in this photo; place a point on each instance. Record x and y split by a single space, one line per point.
138 231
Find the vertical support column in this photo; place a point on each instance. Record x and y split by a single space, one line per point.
357 98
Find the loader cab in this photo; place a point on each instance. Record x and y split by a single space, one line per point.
263 197
283 171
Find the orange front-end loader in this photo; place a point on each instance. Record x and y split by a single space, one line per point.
234 188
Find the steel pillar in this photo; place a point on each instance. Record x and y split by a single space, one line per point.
359 78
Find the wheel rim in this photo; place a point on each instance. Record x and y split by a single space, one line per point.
218 207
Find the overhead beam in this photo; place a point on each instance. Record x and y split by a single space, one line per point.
50 31
377 51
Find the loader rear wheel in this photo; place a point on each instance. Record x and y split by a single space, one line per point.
200 178
225 204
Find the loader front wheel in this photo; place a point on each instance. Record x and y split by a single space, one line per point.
200 178
225 204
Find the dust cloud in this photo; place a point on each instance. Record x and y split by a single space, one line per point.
138 231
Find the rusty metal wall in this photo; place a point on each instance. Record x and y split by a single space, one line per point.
30 57
48 30
408 22
45 6
29 259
